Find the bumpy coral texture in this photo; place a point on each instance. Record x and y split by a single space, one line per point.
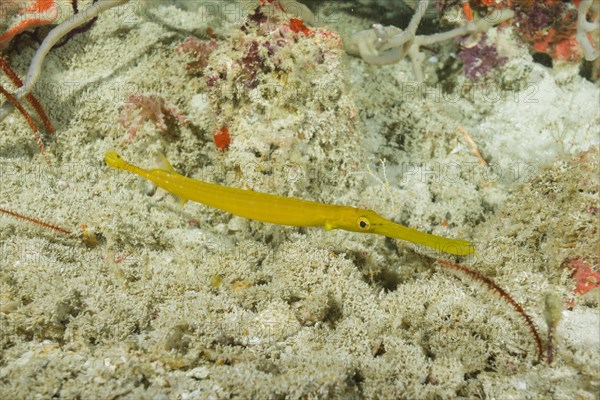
278 85
481 59
549 26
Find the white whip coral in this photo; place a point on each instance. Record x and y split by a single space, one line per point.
588 32
388 45
56 34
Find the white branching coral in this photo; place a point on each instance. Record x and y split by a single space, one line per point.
588 32
388 45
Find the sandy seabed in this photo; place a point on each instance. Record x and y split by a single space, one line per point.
148 299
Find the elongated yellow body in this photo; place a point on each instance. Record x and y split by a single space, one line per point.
281 210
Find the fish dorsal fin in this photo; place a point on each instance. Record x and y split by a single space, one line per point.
164 164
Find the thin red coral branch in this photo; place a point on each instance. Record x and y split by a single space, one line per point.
13 100
36 221
503 294
19 107
30 98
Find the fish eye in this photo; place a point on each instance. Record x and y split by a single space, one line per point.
363 223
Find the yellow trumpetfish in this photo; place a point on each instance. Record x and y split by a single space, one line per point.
281 210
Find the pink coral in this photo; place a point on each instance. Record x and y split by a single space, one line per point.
142 108
585 277
198 50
